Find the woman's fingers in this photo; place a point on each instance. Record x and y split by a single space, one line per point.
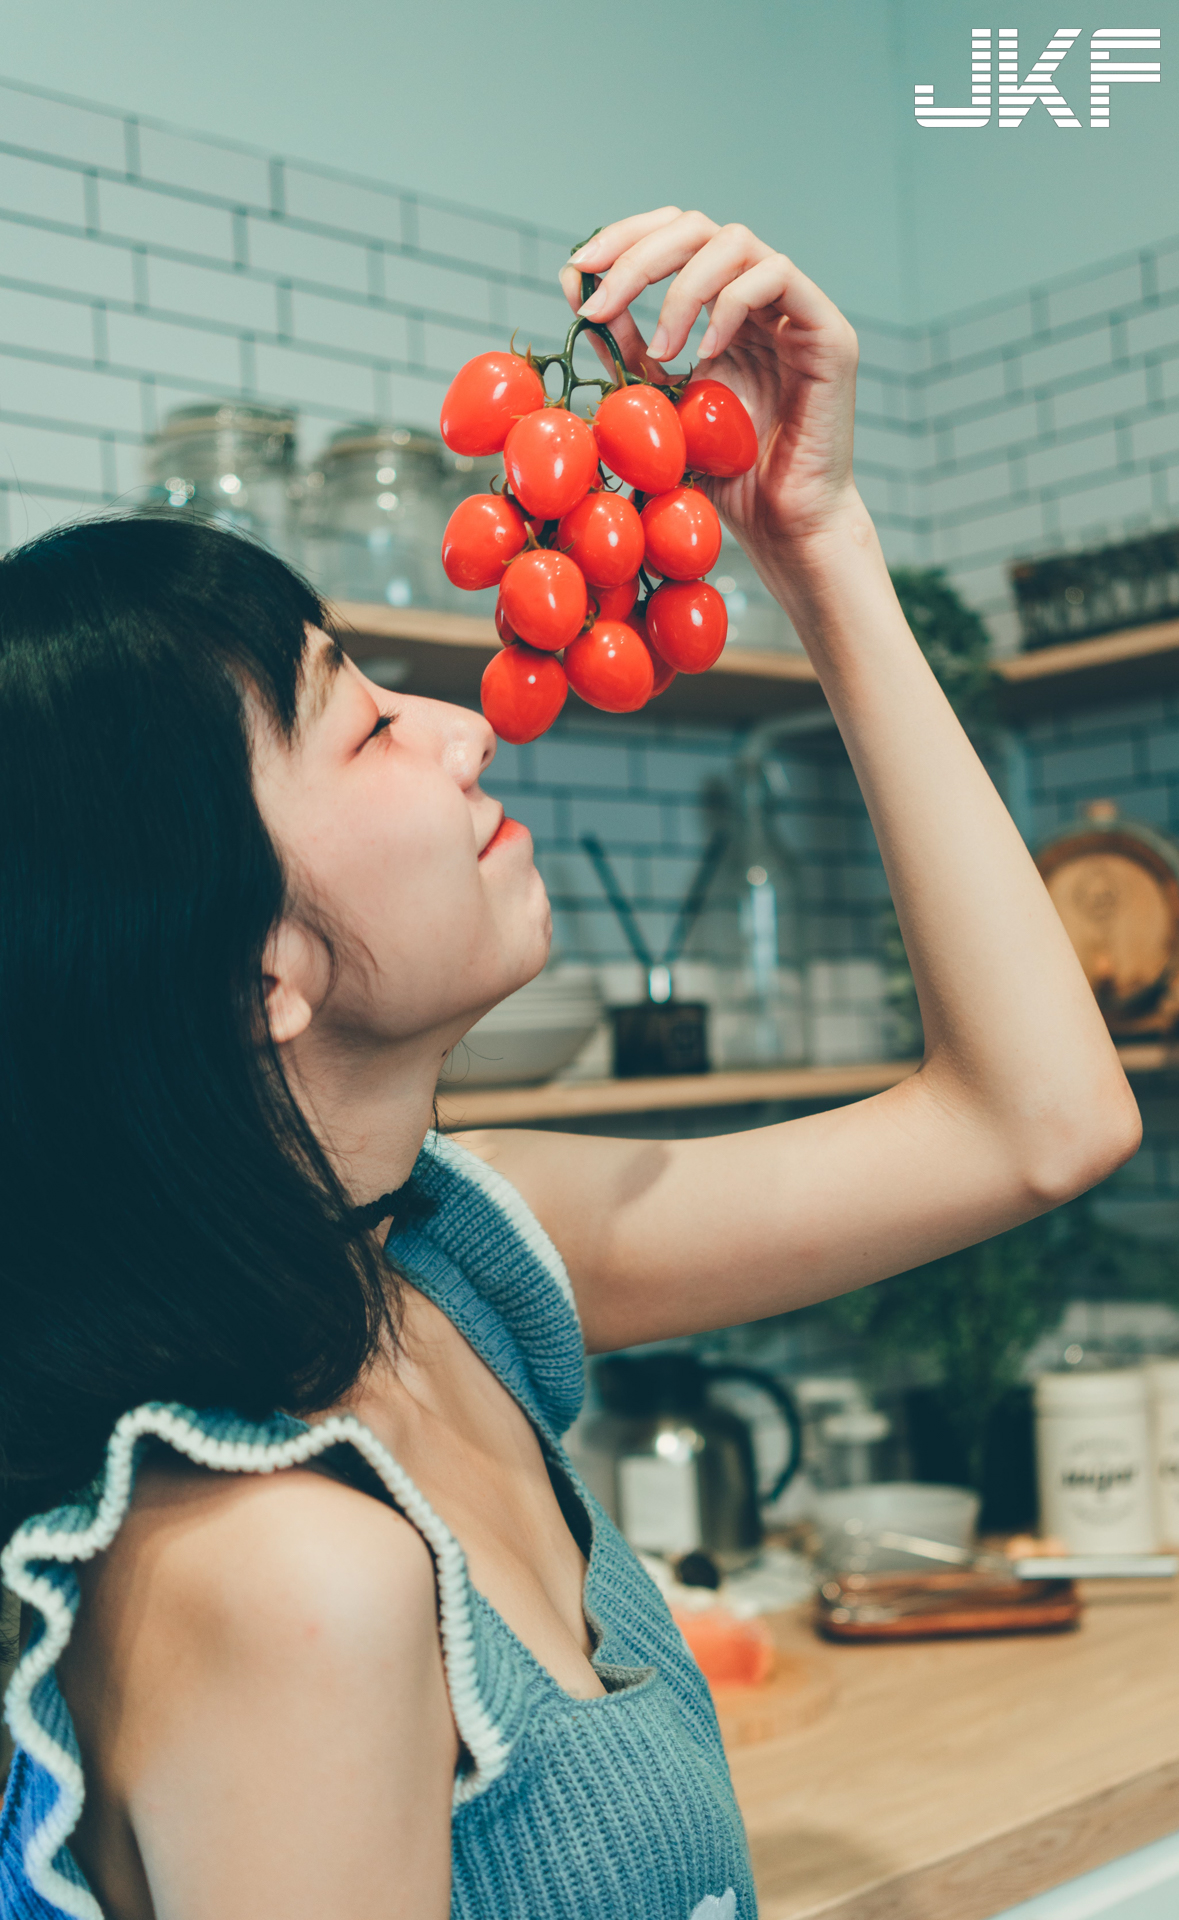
603 250
633 347
647 261
729 252
726 272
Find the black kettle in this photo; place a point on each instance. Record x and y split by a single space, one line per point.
683 1466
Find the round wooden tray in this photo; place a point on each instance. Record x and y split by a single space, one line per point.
795 1695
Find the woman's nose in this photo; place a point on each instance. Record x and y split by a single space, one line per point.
468 744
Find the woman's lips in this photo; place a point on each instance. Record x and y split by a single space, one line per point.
506 831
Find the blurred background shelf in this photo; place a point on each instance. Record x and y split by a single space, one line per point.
580 1100
445 654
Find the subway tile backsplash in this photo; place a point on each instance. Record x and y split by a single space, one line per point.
142 267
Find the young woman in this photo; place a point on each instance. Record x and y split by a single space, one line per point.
331 1627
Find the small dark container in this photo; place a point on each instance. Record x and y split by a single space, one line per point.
651 1040
1009 1496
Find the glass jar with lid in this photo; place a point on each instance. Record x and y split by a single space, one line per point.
373 517
230 461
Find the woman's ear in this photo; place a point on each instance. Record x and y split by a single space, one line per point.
295 978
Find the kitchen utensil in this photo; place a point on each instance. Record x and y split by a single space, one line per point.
231 462
852 1519
660 1035
684 1475
1115 885
895 1606
1038 1566
529 1036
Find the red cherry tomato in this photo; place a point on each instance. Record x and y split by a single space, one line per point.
543 597
522 693
502 626
687 622
483 533
639 435
604 534
720 437
614 603
683 533
486 398
552 460
664 673
610 667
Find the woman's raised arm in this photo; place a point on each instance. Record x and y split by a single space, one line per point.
1020 1101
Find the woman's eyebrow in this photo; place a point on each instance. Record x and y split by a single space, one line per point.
321 678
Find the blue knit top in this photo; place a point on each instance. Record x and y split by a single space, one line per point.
564 1808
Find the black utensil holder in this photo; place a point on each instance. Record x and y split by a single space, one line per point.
653 1039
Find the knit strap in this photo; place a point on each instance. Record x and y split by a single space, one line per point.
37 1565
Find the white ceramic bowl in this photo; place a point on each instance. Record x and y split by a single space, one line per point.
529 1036
850 1518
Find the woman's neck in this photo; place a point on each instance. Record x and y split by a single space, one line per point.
370 1105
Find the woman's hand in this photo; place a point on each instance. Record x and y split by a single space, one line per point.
773 337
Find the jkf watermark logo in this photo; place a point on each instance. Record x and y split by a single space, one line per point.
1016 95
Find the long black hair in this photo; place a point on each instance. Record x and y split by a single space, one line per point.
170 1226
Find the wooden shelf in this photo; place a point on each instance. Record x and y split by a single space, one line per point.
445 654
587 1099
1113 666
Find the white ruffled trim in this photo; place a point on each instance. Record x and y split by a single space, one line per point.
505 1196
35 1541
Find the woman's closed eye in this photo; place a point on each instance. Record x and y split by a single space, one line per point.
384 721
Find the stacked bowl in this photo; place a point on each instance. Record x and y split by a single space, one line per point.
529 1036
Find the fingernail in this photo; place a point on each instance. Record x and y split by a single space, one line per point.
583 253
593 305
658 346
707 346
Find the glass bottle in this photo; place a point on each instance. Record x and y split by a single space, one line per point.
750 935
373 517
232 462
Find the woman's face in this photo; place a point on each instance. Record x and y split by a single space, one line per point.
427 891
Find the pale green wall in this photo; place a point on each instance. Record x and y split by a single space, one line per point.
990 211
794 115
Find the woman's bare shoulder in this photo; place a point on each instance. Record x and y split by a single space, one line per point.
248 1649
246 1553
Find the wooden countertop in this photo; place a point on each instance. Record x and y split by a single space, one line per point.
950 1780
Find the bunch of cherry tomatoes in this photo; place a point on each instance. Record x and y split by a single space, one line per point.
569 553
